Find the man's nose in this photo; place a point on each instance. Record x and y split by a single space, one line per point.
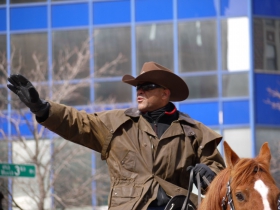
140 91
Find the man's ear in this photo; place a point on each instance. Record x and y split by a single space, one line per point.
166 93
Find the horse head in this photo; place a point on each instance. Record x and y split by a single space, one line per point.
245 184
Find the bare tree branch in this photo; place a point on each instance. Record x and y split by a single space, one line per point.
273 94
54 160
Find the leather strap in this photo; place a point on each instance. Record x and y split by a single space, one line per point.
173 190
187 202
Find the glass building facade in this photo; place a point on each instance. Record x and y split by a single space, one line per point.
227 51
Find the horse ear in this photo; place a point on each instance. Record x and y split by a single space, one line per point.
230 156
265 154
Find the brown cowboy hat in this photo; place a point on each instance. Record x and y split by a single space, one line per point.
160 75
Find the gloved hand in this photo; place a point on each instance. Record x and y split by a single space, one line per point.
28 94
206 175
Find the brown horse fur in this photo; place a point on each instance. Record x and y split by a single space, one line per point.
243 173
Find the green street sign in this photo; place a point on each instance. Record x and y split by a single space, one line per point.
17 170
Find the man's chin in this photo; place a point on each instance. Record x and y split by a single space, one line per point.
141 108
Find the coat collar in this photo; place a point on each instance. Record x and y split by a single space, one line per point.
186 118
133 112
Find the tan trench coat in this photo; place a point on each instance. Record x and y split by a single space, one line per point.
138 160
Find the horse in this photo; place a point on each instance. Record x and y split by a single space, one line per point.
245 184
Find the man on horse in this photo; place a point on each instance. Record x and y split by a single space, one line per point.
147 149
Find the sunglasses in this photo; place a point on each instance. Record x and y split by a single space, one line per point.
147 86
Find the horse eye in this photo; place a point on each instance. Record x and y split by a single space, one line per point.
257 169
240 196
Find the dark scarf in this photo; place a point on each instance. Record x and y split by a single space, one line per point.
162 118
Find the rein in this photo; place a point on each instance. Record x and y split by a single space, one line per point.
227 199
187 201
185 204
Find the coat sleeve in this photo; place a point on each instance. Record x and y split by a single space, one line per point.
77 126
207 142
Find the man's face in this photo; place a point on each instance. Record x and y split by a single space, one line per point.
152 99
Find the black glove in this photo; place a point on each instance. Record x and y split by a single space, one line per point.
205 173
28 94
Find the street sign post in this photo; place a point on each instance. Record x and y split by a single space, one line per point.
17 170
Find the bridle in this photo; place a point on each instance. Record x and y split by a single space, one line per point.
227 199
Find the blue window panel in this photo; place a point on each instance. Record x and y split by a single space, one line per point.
195 8
4 127
234 7
66 15
267 7
111 12
23 126
28 18
146 10
267 100
236 112
207 113
25 130
3 20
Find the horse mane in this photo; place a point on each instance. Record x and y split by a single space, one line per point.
216 191
245 167
240 174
